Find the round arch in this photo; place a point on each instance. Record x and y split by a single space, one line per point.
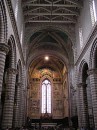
82 71
49 52
93 55
3 20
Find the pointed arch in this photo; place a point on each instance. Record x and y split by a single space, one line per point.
46 94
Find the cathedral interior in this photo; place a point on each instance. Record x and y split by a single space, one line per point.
48 64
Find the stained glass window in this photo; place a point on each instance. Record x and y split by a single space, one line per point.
46 96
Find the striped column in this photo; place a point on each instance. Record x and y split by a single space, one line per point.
21 106
79 106
83 105
9 98
24 93
3 51
93 84
24 111
17 105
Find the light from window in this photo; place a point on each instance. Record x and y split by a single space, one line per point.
81 37
21 36
93 12
46 96
16 9
94 9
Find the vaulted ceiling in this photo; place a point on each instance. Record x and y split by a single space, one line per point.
49 29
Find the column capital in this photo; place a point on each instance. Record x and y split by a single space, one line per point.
92 71
12 71
4 47
82 85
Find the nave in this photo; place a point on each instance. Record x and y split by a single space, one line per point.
48 64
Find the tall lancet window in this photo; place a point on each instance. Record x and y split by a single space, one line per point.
93 11
46 96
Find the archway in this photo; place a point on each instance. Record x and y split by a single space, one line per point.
93 78
9 79
17 114
55 71
3 45
84 97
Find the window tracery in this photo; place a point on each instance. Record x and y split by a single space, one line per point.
46 96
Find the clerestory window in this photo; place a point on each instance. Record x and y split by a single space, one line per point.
81 37
46 96
16 9
93 11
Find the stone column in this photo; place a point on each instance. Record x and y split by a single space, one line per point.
24 112
21 107
93 84
9 98
79 106
17 105
3 51
83 105
24 93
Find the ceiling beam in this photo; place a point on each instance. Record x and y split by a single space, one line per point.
48 21
53 14
54 5
28 1
56 18
48 1
66 9
74 2
35 9
64 18
56 1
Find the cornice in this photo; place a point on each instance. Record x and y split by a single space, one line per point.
89 40
15 30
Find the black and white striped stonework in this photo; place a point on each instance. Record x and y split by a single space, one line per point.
17 105
9 99
3 50
93 84
24 94
79 106
21 105
83 104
